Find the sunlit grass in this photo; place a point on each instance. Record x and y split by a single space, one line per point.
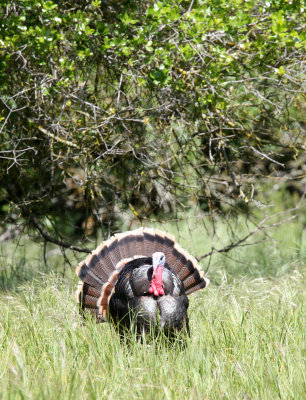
247 328
246 341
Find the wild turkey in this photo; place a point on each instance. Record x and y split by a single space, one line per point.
140 277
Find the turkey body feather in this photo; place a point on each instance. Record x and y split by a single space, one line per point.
132 301
140 277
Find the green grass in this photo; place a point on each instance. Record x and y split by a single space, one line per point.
247 329
246 343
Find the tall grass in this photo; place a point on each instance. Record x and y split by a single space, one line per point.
247 330
246 343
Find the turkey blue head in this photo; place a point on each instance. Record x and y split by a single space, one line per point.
158 261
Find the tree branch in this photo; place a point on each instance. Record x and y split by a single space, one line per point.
47 236
260 226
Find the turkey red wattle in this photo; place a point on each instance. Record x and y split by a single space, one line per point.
156 286
157 282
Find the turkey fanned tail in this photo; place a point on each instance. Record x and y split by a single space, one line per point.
116 278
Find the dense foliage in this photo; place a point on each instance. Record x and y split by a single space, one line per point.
111 109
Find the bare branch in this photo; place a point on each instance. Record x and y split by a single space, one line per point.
260 227
57 138
52 239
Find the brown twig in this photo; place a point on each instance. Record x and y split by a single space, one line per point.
35 222
52 239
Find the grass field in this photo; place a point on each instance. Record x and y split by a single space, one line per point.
247 333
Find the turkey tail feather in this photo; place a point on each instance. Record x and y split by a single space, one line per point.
87 297
99 272
197 286
88 276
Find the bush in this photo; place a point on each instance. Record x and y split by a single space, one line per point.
136 110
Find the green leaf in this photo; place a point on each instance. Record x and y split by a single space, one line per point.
280 71
128 19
